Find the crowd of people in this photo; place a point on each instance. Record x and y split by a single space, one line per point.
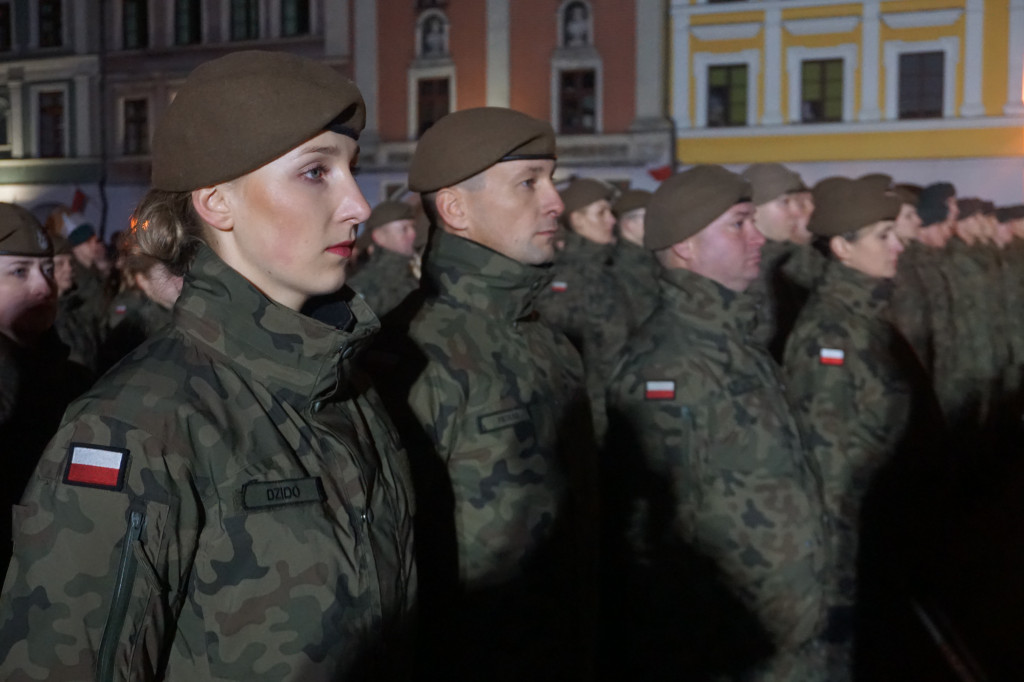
512 430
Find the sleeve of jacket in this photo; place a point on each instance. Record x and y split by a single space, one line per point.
98 574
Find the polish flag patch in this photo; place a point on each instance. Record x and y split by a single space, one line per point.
660 390
559 286
96 466
121 309
831 356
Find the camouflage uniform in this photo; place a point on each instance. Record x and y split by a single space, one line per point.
713 428
385 280
76 325
861 395
788 273
587 302
493 406
132 318
908 308
637 270
258 523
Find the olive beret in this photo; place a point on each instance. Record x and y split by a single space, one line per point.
770 181
907 193
389 211
843 206
238 112
1005 214
582 192
21 233
60 245
467 142
631 200
968 207
931 203
879 181
688 202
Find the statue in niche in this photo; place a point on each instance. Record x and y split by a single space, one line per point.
433 38
576 31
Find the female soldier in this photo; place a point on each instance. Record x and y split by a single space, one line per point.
229 502
854 381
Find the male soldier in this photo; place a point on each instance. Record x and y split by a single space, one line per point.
586 301
725 468
76 318
788 267
387 277
635 266
88 251
491 402
907 308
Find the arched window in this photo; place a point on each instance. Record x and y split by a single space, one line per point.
577 26
432 35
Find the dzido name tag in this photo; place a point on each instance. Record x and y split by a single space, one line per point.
257 495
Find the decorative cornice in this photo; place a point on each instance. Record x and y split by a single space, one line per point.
926 18
736 31
807 27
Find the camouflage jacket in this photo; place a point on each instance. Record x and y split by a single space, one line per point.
788 273
132 318
230 502
859 391
385 280
908 309
712 425
77 326
638 271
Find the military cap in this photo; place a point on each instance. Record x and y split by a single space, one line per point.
931 204
1005 214
582 192
686 203
843 206
879 181
968 207
241 111
60 245
770 181
907 193
389 211
631 200
467 142
21 233
81 234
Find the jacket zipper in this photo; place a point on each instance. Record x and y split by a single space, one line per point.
119 600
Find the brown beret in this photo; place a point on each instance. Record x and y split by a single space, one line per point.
467 142
1005 214
61 245
843 206
878 181
688 202
631 200
241 111
770 181
389 211
968 207
907 193
21 233
583 192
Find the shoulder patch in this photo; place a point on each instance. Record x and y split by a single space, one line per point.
660 390
96 466
120 309
831 356
257 495
559 286
503 420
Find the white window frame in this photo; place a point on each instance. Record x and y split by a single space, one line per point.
6 102
796 56
418 38
949 45
151 9
65 26
34 91
560 24
170 32
122 128
418 73
225 22
702 61
577 59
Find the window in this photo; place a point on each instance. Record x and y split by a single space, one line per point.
188 22
51 23
5 122
432 100
245 19
922 78
578 102
51 124
727 95
136 127
5 26
294 17
821 91
135 24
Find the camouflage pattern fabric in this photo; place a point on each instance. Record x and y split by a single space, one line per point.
385 280
1012 273
908 309
587 303
259 526
712 428
131 319
92 290
788 273
637 269
77 327
492 403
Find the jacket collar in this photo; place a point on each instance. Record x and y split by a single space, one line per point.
707 304
581 250
858 293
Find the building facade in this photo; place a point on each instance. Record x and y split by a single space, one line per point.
925 90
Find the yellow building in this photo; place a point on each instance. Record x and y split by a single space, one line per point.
924 90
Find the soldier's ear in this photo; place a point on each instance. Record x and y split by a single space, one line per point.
840 247
684 252
452 209
213 207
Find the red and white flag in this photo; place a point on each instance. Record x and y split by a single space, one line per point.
660 390
559 286
831 356
96 466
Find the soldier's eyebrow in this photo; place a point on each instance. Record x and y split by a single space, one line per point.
326 150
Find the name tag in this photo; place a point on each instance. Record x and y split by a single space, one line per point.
503 420
257 495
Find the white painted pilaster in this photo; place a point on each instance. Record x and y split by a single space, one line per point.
650 67
498 53
83 118
869 68
974 38
1015 84
681 70
772 67
16 92
366 64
